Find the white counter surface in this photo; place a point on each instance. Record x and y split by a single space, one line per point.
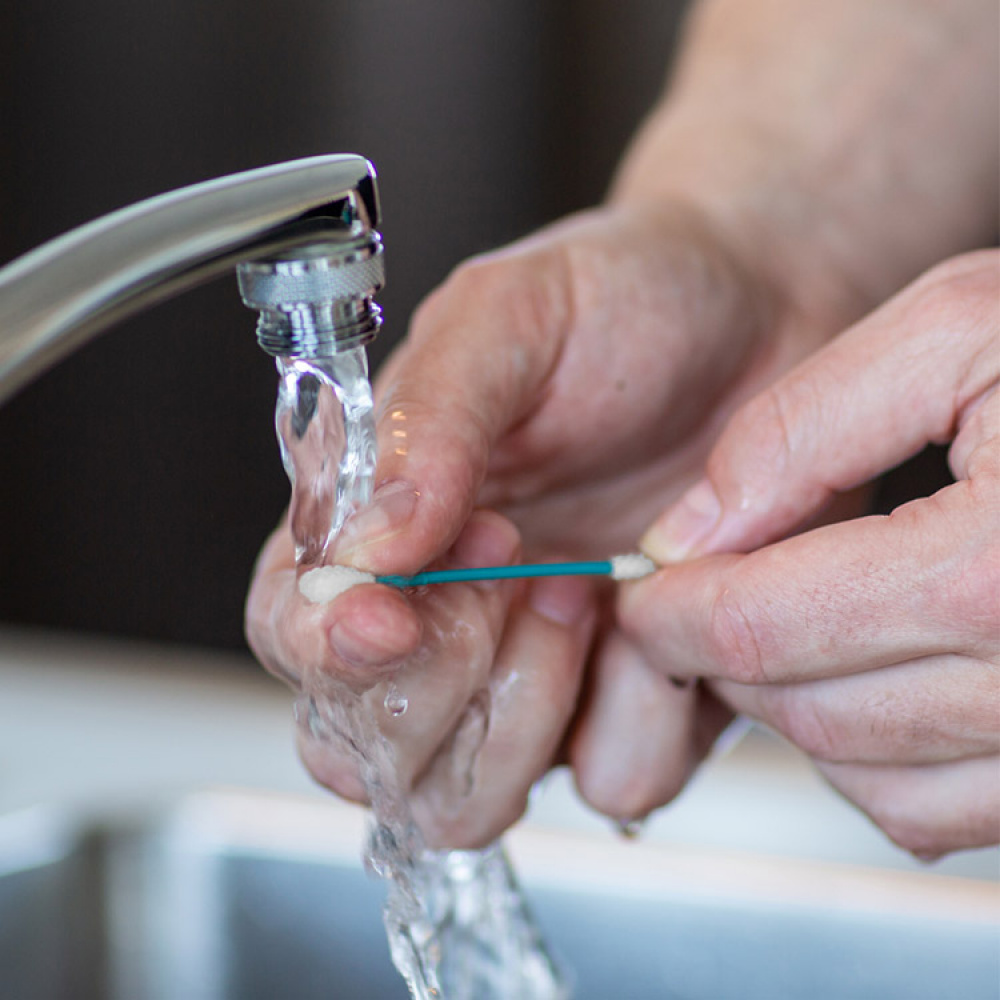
104 724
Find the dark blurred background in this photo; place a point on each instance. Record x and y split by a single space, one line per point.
139 478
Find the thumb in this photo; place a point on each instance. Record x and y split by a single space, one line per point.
477 354
901 378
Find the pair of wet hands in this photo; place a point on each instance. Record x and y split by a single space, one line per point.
870 643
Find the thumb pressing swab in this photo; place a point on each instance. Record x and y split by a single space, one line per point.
327 582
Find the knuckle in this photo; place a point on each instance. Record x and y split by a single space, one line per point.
979 585
965 580
900 729
966 277
734 639
802 720
960 293
530 290
973 454
769 445
762 428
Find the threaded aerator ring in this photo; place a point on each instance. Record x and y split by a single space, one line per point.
317 300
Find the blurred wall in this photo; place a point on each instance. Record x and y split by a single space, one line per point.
139 478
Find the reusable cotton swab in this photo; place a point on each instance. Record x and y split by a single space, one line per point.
327 582
627 567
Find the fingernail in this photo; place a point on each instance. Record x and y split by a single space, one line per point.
387 515
682 530
356 648
563 600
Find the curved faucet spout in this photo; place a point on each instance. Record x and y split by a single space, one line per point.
55 298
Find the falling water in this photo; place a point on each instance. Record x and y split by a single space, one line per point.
457 924
326 431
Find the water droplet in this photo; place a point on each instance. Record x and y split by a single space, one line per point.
468 741
314 719
442 928
395 703
629 828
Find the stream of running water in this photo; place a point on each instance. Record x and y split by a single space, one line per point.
457 923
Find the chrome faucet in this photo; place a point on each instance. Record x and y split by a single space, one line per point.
301 236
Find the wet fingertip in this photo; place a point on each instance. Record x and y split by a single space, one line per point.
465 830
370 530
355 649
377 632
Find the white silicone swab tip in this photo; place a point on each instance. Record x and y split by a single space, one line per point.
631 566
323 584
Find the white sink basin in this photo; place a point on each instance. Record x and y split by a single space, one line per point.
240 896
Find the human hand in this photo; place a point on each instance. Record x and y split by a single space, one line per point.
873 644
472 655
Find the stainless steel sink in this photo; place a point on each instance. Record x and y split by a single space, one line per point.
238 896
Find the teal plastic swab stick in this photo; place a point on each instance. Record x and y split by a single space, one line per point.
601 568
618 568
